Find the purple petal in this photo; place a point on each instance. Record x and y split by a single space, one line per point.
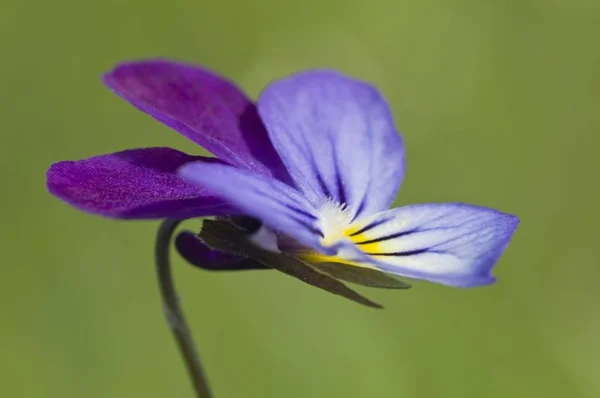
194 251
280 207
337 138
137 183
450 243
202 106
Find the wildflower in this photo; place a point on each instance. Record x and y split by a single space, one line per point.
315 165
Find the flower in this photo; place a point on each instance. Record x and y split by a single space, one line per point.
317 161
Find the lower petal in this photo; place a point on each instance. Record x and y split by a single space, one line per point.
137 183
449 243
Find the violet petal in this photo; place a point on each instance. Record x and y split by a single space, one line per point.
137 183
195 252
202 106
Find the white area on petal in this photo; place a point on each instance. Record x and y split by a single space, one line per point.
334 218
265 238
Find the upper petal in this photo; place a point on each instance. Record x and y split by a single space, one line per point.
202 106
279 206
336 137
137 183
449 243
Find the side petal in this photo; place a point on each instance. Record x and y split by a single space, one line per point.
137 183
337 138
280 207
202 106
450 243
195 252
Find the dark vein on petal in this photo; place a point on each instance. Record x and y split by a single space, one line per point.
322 184
340 185
365 194
299 211
388 237
407 253
372 225
294 207
360 207
303 151
341 193
307 225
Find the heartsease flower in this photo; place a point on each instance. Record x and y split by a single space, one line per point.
318 161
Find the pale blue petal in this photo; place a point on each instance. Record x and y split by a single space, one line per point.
336 136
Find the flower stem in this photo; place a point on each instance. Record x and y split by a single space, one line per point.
173 311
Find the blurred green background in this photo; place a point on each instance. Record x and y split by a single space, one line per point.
498 103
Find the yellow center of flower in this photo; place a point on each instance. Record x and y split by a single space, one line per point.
335 221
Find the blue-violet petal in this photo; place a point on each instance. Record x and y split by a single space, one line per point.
337 138
280 207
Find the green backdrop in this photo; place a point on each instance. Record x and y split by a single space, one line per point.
498 104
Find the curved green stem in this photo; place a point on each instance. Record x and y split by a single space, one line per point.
173 311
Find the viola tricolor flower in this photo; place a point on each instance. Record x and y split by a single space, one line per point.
315 164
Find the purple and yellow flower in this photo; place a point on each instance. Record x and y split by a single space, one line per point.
315 163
